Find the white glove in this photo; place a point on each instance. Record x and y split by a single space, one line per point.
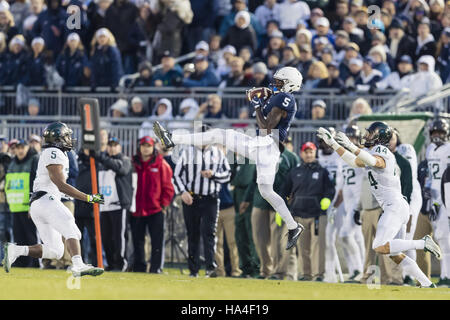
344 141
331 214
326 136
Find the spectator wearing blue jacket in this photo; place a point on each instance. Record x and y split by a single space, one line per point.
17 61
106 61
204 75
51 26
443 58
72 63
170 74
229 21
378 54
36 68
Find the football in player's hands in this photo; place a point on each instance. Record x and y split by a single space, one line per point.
260 93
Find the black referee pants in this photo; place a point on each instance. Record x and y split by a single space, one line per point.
113 225
201 219
155 225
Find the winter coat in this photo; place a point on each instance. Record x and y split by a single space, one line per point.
205 79
444 63
70 67
83 183
169 78
307 185
425 82
17 65
121 17
205 13
47 22
36 71
240 38
406 46
154 185
106 67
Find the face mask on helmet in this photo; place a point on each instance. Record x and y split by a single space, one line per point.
369 139
276 86
438 137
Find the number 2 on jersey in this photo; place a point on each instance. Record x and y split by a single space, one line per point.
372 181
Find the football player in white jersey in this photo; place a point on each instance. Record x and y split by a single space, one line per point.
380 165
350 233
331 161
52 219
438 158
409 153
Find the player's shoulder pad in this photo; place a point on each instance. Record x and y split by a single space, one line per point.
380 150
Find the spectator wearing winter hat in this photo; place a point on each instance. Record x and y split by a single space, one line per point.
426 44
399 42
229 20
316 14
224 63
36 69
355 66
119 109
17 62
51 26
320 43
341 42
354 33
288 58
444 55
303 36
138 109
369 76
162 110
401 78
33 110
322 28
35 142
261 76
351 52
204 75
188 111
292 11
170 74
241 33
275 45
106 60
318 109
378 54
202 48
72 63
145 78
327 55
7 25
425 79
333 81
154 193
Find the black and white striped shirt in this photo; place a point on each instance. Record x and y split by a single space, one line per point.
187 174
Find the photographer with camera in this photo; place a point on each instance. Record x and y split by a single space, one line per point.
211 108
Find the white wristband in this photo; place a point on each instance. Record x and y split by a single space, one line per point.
349 158
335 145
352 148
367 158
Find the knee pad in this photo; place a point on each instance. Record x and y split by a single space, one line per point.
72 232
55 251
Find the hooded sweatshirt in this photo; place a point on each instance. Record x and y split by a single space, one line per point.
425 81
190 103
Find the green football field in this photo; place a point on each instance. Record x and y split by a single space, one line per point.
57 284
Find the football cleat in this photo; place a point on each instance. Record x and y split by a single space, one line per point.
407 281
431 246
443 283
86 270
9 256
163 135
293 236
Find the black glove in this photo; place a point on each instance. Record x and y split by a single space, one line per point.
357 217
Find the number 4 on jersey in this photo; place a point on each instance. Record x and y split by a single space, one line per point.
372 181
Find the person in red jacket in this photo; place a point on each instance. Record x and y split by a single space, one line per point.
153 195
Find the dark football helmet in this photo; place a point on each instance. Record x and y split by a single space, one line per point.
377 133
58 135
440 126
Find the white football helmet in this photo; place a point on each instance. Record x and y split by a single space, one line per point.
292 79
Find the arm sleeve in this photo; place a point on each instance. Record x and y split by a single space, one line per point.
167 189
179 186
119 166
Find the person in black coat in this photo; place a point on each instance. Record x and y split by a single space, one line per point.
399 42
7 25
309 191
426 44
241 34
84 216
36 64
17 62
72 63
3 59
106 61
333 81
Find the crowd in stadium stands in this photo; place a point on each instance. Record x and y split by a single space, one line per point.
238 43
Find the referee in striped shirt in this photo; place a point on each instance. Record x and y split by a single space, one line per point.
198 175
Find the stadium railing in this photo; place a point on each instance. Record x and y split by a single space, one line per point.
129 130
64 102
